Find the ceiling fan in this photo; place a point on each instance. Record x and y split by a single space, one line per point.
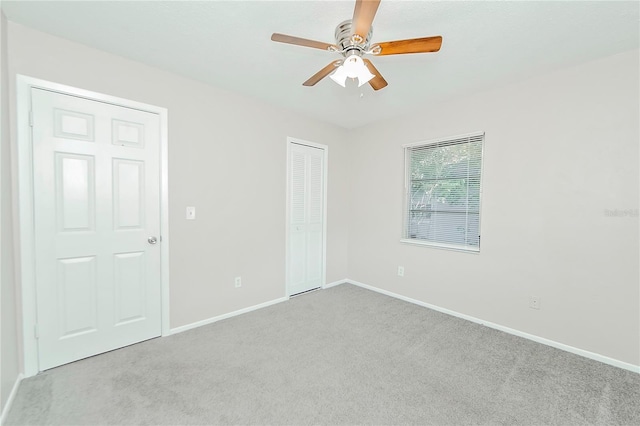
353 41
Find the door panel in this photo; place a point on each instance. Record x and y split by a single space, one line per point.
77 299
75 190
314 255
128 194
126 133
97 200
129 287
306 216
73 125
297 273
314 224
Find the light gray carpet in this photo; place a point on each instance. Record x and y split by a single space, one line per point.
339 356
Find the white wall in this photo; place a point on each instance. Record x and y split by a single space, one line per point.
227 157
560 149
9 364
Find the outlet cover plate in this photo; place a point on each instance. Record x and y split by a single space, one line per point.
191 213
534 303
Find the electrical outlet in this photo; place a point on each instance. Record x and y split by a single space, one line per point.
238 282
534 303
191 213
401 271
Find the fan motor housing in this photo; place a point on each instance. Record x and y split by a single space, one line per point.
347 43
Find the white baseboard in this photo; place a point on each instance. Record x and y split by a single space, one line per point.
335 283
225 316
538 339
12 395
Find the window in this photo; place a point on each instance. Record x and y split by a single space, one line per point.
443 192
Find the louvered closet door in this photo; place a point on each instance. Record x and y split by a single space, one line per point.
306 251
97 201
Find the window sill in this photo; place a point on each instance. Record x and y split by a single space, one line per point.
412 241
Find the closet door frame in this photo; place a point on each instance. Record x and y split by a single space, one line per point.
325 149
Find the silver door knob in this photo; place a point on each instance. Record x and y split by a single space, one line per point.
152 240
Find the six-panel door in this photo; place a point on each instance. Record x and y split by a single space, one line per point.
96 185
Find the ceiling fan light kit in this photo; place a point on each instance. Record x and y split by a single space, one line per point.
353 38
352 67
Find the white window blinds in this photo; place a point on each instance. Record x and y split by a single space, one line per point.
443 192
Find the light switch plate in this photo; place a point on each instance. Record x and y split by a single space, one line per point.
191 213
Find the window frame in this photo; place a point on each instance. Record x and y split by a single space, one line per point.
406 197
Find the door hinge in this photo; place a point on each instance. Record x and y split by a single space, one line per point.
31 118
36 332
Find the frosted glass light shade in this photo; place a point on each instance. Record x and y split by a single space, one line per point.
339 76
352 67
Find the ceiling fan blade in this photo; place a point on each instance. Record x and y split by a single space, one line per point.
283 38
377 82
321 74
414 45
363 15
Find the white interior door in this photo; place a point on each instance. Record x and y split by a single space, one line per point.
96 211
306 218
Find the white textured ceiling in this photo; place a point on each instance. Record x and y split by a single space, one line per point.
227 44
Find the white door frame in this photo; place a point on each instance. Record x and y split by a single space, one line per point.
26 194
325 173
